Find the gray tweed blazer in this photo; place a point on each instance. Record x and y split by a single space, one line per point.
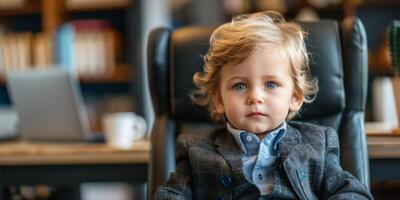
209 166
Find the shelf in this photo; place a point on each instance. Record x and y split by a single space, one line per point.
340 7
330 8
30 7
122 74
35 7
96 5
378 4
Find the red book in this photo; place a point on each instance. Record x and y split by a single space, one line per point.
92 25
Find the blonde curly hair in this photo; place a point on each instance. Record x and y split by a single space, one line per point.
233 42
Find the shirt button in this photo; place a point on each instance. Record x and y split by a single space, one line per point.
226 181
260 176
249 138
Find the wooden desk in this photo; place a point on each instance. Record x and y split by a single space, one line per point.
68 165
384 158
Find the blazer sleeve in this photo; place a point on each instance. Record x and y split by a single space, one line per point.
339 184
179 184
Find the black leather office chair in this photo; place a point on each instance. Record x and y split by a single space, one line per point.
338 58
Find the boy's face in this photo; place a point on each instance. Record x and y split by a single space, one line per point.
257 94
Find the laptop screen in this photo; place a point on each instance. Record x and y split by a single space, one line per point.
48 104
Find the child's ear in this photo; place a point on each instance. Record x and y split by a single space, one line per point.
296 101
219 105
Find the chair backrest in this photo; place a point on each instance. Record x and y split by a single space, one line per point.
338 55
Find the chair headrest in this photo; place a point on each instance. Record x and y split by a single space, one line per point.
325 54
188 45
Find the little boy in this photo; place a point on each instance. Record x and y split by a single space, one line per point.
254 80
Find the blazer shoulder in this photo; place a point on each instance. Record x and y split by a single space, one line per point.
307 126
200 138
313 133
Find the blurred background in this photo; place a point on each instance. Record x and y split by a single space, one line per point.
104 42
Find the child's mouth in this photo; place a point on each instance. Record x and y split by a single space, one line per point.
256 114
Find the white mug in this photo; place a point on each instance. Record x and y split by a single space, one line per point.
122 129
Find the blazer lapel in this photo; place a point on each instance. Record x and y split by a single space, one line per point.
291 156
227 147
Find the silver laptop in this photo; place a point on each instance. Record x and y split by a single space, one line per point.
49 105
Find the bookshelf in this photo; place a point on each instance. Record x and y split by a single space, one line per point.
104 54
122 74
29 7
76 6
376 16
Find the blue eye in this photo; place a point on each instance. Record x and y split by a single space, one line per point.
271 85
240 86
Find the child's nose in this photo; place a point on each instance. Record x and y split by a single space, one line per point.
255 96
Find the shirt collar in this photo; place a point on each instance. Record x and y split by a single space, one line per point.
275 135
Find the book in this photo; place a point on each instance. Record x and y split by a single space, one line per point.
24 50
42 51
87 47
17 51
6 53
2 70
64 45
87 4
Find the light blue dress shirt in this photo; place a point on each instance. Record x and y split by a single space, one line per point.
259 156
